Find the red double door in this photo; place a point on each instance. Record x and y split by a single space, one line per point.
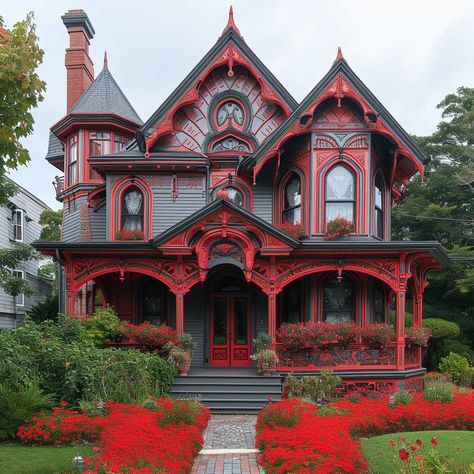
230 331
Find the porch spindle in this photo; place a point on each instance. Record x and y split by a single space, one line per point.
400 297
180 313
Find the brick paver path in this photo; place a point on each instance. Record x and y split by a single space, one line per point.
229 446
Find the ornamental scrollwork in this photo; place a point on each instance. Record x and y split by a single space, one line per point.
230 111
230 144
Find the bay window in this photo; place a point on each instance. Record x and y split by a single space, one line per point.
340 194
72 163
99 143
120 142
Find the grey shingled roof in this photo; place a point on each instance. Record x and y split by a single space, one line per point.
55 148
105 96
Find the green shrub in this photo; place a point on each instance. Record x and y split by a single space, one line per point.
101 327
466 378
330 410
402 397
19 406
455 365
262 341
313 388
440 391
458 347
440 328
180 412
46 310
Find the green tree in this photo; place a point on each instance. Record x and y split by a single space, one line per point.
51 221
442 209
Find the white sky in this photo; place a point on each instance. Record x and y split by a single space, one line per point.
409 53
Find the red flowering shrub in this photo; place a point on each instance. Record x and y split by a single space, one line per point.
295 230
418 336
377 335
150 335
62 426
293 439
134 437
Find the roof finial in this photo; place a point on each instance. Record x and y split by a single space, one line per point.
106 62
231 23
340 56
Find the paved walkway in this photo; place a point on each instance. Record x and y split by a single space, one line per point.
229 446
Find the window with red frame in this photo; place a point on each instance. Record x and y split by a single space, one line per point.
378 206
291 212
72 161
120 142
234 196
340 193
132 210
339 300
99 143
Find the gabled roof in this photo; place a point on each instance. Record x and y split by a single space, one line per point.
340 66
104 96
230 35
213 207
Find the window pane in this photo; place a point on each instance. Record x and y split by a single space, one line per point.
292 193
292 216
340 209
240 321
339 301
379 223
340 184
235 196
378 305
132 210
220 321
378 197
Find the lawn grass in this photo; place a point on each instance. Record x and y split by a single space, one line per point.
20 459
459 445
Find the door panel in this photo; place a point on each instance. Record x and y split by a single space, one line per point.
230 331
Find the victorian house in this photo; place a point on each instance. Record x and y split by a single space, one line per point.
211 215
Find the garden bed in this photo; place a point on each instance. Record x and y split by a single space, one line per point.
294 438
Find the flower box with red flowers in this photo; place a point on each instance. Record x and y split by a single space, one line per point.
338 227
130 235
418 336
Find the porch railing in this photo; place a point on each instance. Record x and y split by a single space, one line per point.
355 356
412 356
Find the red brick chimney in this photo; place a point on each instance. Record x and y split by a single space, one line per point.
79 66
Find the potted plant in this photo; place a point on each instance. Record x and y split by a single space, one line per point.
338 227
262 341
267 361
181 359
377 336
345 333
297 231
418 336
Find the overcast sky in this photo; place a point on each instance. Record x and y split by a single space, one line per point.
409 53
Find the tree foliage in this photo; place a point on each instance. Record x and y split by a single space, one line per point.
442 209
51 221
21 89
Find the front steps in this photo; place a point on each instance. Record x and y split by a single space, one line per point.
228 390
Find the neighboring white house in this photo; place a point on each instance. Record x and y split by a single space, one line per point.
19 223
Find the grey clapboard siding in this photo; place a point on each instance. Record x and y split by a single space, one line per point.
167 212
195 321
72 219
32 208
263 195
98 221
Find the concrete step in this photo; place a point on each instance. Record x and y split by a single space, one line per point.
225 395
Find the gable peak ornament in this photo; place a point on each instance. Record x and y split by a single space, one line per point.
339 56
231 23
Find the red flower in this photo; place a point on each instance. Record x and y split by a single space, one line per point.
63 403
403 454
392 442
419 442
413 447
434 441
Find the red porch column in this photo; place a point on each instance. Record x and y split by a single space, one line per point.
400 356
179 313
272 315
70 305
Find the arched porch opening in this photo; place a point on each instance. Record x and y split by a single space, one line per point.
135 297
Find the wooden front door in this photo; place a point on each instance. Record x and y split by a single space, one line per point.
230 331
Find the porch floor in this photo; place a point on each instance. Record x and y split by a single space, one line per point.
223 371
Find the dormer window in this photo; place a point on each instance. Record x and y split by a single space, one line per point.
99 143
132 210
291 212
340 193
72 163
378 206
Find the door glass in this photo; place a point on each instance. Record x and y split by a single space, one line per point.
220 321
240 321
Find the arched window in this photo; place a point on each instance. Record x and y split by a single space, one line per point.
340 193
378 206
291 212
132 209
235 196
339 300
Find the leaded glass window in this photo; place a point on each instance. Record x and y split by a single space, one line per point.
339 300
235 196
340 194
292 201
132 209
